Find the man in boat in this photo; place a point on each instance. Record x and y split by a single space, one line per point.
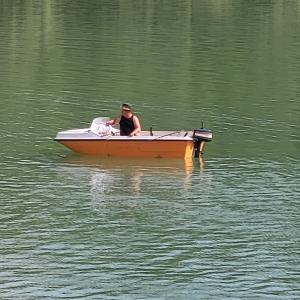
129 123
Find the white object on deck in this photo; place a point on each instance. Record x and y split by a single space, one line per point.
99 127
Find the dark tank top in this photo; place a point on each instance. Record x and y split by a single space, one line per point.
126 125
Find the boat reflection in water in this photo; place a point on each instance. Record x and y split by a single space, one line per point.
119 180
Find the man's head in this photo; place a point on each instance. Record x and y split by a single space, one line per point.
126 107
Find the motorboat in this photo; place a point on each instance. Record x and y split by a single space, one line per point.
100 139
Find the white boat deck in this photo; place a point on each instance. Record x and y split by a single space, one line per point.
87 134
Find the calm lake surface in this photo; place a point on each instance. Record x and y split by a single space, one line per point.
76 227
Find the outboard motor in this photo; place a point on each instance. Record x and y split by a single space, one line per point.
201 136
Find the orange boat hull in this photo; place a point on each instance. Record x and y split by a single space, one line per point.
133 148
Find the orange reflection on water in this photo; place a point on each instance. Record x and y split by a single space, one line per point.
114 178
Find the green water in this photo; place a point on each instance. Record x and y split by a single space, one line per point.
97 228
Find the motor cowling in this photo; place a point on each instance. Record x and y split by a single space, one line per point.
203 134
